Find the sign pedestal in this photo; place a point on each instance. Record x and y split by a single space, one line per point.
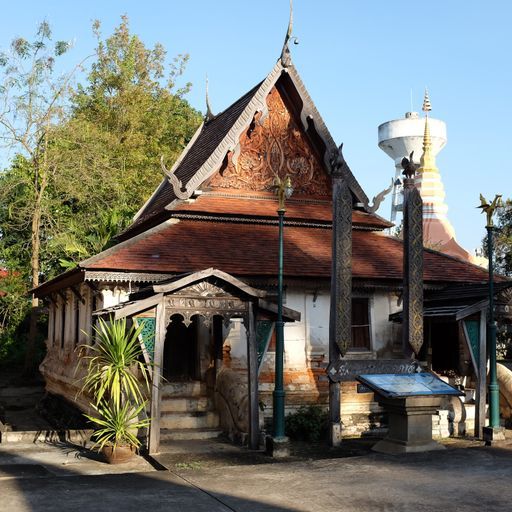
491 434
410 425
410 400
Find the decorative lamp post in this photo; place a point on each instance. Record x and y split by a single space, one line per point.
494 431
283 189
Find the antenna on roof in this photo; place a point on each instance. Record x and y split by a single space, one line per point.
286 58
209 114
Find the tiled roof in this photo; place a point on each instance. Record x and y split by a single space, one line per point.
210 136
251 250
265 206
210 144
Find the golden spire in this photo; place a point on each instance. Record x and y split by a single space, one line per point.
427 160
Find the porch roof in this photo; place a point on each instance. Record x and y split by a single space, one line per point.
458 302
153 295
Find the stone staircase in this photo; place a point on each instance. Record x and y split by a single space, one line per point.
187 412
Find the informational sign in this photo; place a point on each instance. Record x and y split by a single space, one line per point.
349 369
395 385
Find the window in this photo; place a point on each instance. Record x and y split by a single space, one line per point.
360 324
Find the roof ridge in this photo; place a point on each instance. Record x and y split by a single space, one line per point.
211 152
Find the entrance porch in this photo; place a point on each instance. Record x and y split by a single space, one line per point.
195 391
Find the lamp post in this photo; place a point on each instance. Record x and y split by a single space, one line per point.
283 189
494 431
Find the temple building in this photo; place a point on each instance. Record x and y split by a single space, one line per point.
198 267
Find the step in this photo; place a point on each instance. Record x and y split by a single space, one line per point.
208 419
184 389
183 434
186 404
80 437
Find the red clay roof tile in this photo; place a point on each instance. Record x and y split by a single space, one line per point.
265 205
251 249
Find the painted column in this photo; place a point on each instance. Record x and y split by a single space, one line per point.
160 330
412 266
340 320
252 371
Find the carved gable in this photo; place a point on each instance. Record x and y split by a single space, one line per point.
274 144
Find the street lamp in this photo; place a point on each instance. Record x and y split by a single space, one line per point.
493 432
283 189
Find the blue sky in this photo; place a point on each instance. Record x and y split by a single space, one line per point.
358 59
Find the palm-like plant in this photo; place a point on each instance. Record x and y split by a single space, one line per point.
112 367
116 379
117 426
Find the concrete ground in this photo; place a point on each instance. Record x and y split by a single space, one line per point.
216 476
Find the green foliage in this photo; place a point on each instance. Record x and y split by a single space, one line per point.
112 380
100 236
112 367
14 307
118 425
85 157
504 344
503 239
307 424
124 118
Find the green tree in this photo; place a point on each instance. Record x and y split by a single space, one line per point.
503 239
127 115
33 102
85 158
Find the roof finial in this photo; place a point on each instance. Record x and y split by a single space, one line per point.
427 107
209 114
286 58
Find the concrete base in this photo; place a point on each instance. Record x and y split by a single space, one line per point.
410 425
394 447
278 447
493 434
335 434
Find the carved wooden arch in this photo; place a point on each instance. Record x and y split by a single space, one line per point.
205 300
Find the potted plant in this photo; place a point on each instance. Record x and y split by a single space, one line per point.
116 430
117 381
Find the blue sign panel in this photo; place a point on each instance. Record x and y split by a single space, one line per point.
396 385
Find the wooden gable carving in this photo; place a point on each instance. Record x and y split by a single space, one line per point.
274 145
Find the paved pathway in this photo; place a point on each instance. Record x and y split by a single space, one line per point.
467 477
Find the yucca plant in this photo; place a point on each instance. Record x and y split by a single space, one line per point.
113 364
117 426
116 380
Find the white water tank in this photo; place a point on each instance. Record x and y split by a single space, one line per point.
400 137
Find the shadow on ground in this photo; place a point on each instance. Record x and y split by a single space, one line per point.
28 486
185 455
